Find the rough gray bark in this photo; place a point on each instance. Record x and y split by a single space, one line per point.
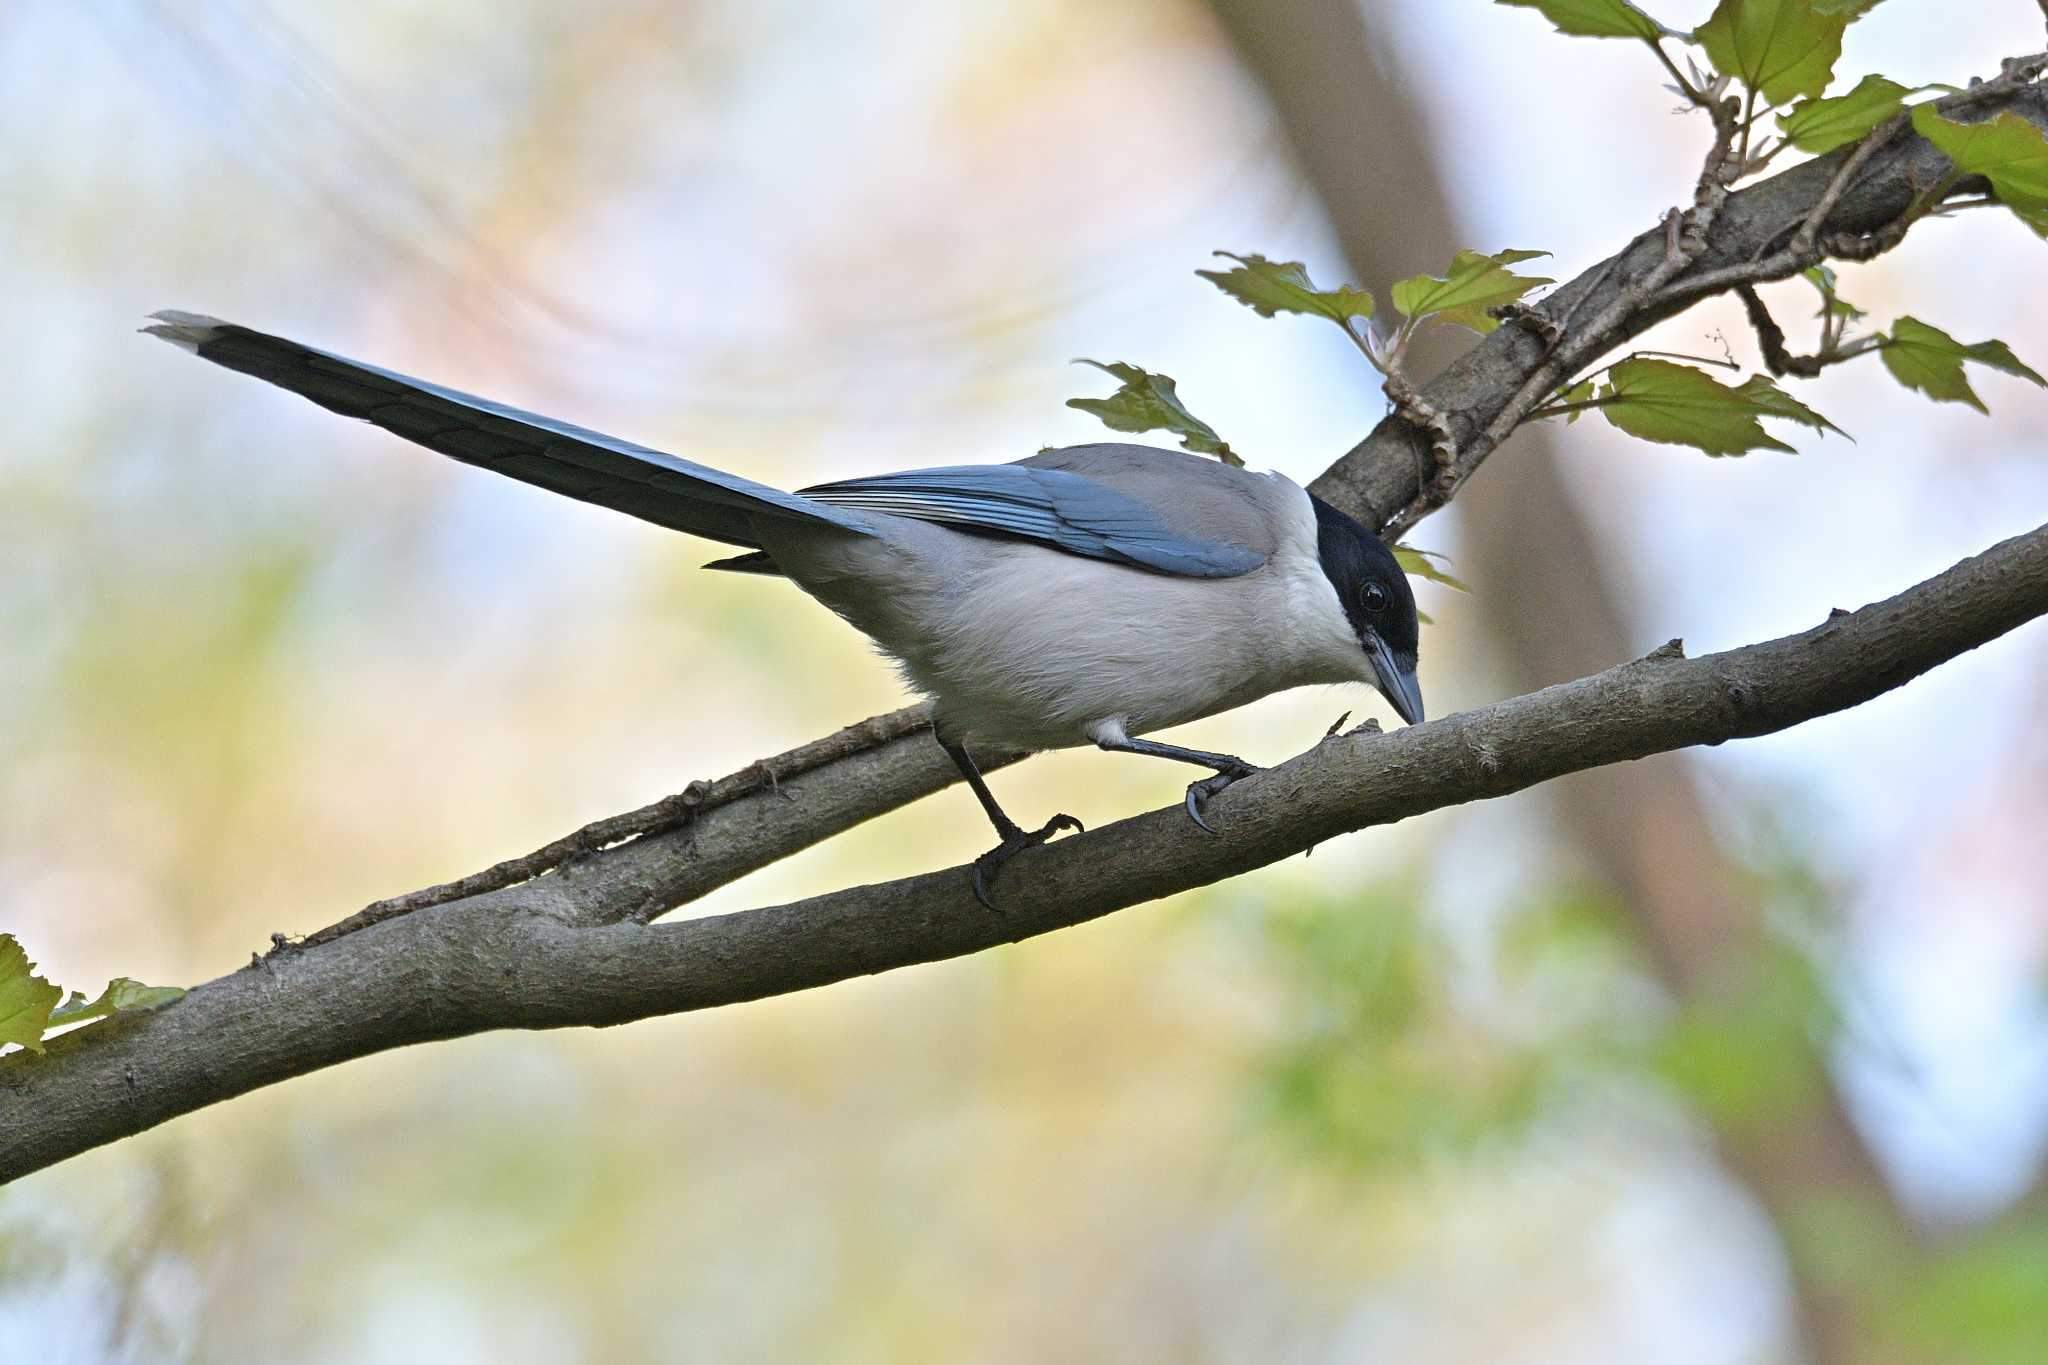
569 948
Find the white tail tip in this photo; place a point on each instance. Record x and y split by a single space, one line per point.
189 330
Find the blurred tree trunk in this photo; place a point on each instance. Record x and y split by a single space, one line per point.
1364 148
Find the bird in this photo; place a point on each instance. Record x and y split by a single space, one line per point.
1084 595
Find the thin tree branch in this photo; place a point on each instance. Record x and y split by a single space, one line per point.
691 806
1771 341
1857 202
509 959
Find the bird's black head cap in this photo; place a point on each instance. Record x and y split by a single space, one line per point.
1377 599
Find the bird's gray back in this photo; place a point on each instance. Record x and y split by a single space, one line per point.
1197 497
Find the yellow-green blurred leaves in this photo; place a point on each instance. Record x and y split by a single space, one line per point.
1377 1062
1982 1304
1145 401
1930 361
1463 293
1748 1054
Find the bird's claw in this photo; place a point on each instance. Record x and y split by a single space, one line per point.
990 863
1200 792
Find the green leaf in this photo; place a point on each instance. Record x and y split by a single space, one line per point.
1147 402
1594 18
25 998
1855 9
1658 400
122 993
1781 49
1822 125
1930 361
1269 287
1831 303
2008 151
1760 390
1423 564
1462 294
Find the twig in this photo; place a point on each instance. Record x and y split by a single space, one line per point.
671 812
1771 340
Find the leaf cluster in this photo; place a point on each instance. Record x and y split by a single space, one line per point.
1781 55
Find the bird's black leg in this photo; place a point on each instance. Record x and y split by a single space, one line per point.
1015 838
1228 769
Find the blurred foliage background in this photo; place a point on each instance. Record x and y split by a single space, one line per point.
1746 1063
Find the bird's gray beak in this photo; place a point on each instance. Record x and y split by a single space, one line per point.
1396 681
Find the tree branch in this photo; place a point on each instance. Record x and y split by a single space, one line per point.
512 959
1441 437
568 948
1854 202
719 850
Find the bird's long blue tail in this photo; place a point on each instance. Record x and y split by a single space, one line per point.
561 458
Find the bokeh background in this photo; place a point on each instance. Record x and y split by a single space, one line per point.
1740 1056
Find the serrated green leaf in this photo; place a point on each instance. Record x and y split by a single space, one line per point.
1781 49
2008 151
1593 18
1831 303
1658 400
122 993
1762 391
25 998
1462 294
1269 287
1147 402
1822 125
1930 361
1423 564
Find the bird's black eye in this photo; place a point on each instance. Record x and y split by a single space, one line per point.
1375 598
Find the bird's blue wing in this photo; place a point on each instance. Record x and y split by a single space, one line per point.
571 460
1051 506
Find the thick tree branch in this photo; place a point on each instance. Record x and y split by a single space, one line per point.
513 959
568 948
1856 195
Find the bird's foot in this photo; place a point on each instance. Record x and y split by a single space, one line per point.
1016 841
1200 792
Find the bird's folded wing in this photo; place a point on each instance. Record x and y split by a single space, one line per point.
570 460
1064 510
